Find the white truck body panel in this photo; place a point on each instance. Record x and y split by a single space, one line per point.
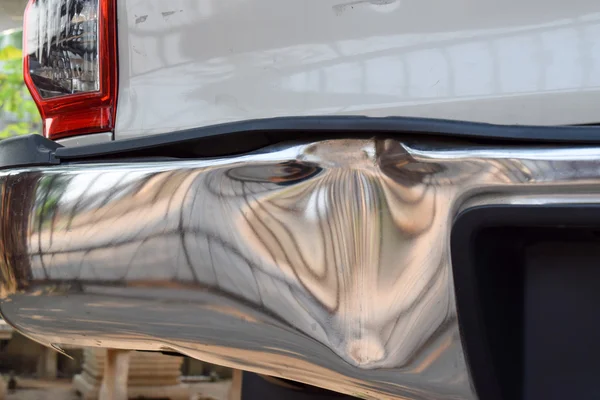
192 63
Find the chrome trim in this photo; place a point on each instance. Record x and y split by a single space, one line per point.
326 263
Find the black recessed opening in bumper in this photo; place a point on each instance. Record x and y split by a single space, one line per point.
527 282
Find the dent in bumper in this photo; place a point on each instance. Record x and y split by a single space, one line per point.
326 263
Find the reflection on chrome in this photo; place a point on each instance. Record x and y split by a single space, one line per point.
326 262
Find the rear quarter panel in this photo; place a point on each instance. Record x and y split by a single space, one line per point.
191 63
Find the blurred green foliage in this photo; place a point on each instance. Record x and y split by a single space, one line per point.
17 110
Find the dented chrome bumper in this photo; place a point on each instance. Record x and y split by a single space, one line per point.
326 262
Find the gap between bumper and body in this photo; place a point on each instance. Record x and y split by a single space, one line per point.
324 262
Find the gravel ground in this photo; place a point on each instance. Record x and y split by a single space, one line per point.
30 389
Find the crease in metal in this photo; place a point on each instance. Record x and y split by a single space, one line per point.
325 262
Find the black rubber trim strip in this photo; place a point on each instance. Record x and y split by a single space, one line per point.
470 317
261 132
28 150
287 128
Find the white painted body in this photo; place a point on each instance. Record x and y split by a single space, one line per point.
193 63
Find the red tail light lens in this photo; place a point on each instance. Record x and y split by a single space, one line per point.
70 64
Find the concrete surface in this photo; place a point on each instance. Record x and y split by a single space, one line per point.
29 389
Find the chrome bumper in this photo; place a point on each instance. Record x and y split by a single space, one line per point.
6 330
326 263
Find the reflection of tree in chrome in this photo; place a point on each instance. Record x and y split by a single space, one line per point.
338 236
48 193
344 240
321 241
333 254
14 243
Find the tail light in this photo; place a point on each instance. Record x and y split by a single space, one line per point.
70 64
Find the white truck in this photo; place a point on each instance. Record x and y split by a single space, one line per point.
387 199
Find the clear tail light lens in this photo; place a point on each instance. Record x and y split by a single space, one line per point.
70 64
62 46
